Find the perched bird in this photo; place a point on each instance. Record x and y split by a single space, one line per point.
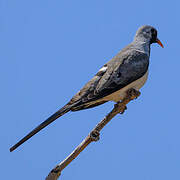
127 70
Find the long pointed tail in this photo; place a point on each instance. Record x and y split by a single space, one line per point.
52 118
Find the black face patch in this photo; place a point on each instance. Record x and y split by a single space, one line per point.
153 35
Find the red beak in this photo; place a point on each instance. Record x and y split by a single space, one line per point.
159 42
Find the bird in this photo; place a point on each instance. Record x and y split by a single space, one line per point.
127 70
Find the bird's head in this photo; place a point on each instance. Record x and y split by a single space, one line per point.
148 33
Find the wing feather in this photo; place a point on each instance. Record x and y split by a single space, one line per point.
126 67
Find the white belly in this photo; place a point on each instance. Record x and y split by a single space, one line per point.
119 95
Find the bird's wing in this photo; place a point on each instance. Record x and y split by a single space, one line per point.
126 67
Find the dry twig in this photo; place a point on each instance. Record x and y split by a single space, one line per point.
94 134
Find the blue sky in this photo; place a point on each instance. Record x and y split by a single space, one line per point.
49 50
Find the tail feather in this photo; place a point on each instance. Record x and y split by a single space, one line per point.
52 118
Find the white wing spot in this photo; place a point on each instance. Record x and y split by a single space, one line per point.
103 69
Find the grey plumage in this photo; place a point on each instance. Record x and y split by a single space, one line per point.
128 69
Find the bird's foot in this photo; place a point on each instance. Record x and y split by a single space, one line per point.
94 135
133 94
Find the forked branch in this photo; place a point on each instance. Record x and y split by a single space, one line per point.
120 107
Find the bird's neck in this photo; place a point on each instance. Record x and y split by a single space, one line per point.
141 44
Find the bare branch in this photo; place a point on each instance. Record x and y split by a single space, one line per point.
94 134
